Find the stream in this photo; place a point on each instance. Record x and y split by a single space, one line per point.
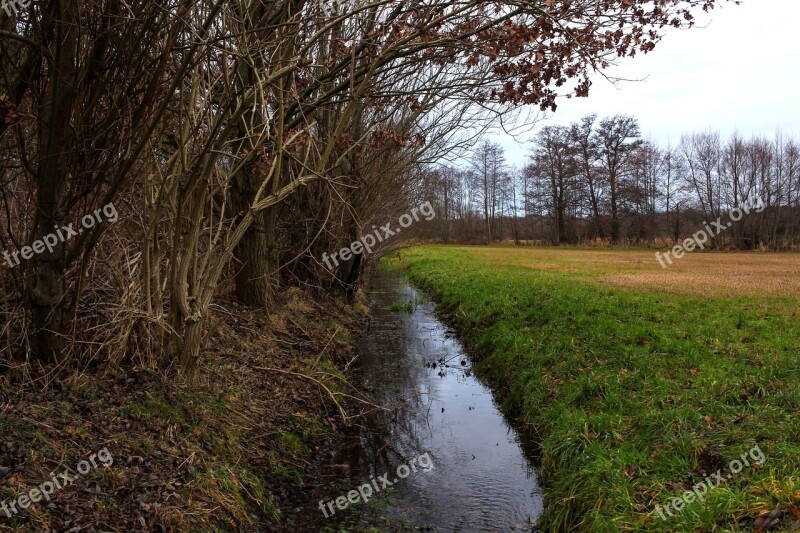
466 468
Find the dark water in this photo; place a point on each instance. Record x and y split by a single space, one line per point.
481 479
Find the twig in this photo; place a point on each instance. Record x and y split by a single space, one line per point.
328 344
299 327
304 376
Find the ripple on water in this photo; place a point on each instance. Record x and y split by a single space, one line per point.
482 479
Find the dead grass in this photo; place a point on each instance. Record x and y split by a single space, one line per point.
718 274
240 450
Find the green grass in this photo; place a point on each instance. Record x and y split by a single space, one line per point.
402 307
632 395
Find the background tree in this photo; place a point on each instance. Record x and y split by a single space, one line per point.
617 137
491 175
554 161
588 154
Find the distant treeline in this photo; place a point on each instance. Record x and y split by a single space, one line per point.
601 182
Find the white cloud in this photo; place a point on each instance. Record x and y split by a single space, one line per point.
739 72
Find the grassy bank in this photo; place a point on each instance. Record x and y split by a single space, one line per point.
638 383
245 448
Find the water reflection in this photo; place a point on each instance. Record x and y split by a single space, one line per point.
414 366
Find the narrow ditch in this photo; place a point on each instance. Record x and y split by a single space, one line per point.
472 470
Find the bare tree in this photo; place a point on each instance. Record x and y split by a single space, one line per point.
554 160
617 137
489 166
588 154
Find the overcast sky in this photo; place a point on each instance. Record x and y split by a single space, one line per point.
739 72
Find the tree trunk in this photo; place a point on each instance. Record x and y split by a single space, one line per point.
614 212
271 277
253 251
190 352
446 227
47 286
251 277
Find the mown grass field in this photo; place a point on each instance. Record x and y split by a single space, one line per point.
638 382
